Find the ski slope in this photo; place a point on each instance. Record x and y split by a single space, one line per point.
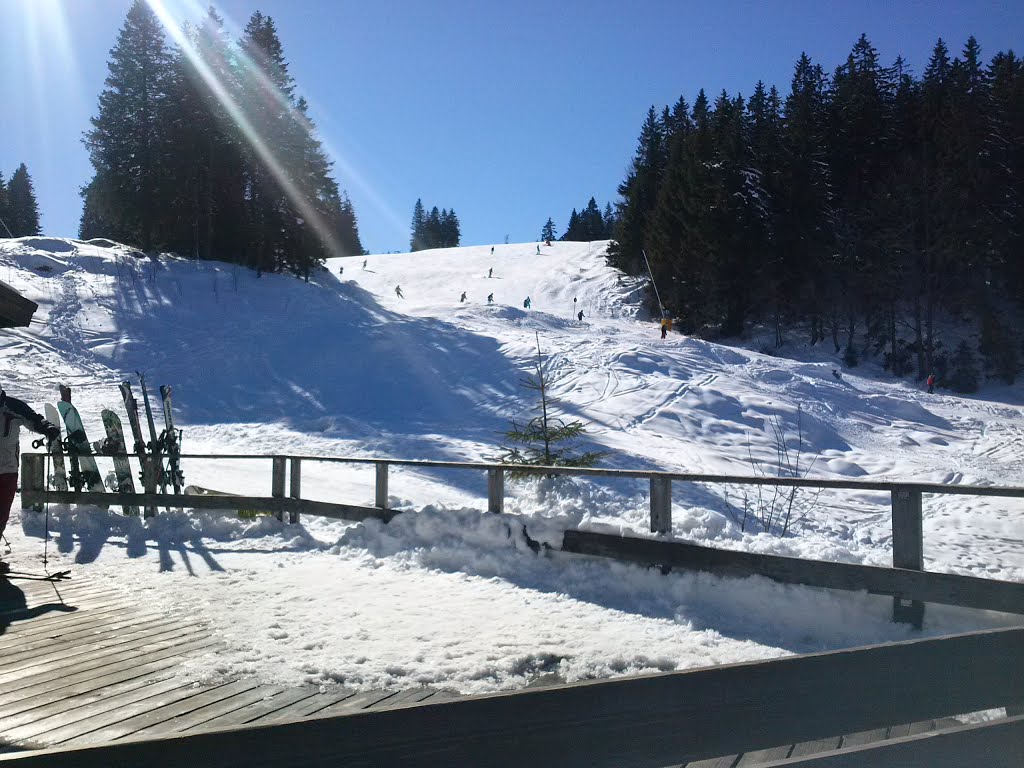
449 596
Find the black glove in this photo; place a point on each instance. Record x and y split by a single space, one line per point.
51 431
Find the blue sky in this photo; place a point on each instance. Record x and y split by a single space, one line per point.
508 112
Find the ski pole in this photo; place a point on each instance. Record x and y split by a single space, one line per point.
653 284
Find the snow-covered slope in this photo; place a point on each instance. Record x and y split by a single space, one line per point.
344 366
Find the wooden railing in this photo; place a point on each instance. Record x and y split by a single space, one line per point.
906 500
652 720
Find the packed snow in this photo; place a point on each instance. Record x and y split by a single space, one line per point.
449 595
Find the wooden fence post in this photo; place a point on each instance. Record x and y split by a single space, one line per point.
907 548
496 490
294 487
382 485
661 505
33 480
150 471
277 484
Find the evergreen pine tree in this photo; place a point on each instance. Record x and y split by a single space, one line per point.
209 209
572 231
3 205
539 441
591 222
547 232
417 239
608 223
433 229
126 144
639 193
22 210
451 234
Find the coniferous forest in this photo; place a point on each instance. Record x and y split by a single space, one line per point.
204 149
437 229
870 208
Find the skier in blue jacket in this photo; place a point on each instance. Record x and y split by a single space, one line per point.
14 413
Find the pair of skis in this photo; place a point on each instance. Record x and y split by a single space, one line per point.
166 445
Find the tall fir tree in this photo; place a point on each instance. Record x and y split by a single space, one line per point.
127 144
418 237
639 193
451 229
3 205
547 232
22 209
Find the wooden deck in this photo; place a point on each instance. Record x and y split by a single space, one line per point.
84 664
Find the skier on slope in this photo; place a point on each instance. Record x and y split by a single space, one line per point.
398 292
490 298
526 304
462 298
490 272
14 413
931 383
580 316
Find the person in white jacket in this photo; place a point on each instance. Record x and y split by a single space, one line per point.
14 413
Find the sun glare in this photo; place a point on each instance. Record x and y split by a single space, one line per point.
48 46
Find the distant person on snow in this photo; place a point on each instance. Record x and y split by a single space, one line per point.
462 298
490 298
666 326
526 303
14 413
364 263
398 292
931 383
490 272
580 316
492 253
341 270
538 249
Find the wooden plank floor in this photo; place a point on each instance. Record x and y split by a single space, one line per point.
87 663
83 663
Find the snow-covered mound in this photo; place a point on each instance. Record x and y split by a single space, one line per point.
344 365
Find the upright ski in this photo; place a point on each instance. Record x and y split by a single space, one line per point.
172 441
140 443
59 479
122 469
155 443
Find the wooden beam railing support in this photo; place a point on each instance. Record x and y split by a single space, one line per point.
294 487
661 505
496 491
150 472
381 497
277 484
33 479
907 548
682 716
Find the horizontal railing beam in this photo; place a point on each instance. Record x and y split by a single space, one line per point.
257 504
944 588
796 482
644 721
